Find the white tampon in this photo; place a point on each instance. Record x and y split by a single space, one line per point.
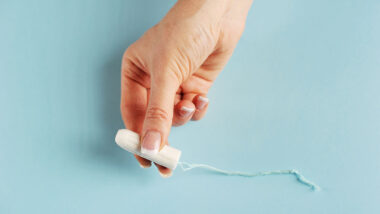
130 141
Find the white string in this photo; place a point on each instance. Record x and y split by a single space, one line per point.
300 178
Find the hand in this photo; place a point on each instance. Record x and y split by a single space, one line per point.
167 73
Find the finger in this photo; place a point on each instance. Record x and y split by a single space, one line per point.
133 105
201 103
177 99
159 114
183 112
189 96
144 163
164 172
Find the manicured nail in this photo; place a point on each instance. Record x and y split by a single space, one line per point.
151 143
167 175
186 111
202 102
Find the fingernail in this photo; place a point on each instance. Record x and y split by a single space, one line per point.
185 111
167 175
151 143
202 102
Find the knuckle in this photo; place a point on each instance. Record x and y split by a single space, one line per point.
157 113
129 52
175 75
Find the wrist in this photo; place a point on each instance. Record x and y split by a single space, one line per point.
209 9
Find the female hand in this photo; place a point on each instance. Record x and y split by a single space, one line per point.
167 73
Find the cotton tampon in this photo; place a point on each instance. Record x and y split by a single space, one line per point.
169 157
130 141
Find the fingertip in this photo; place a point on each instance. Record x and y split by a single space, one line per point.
144 163
201 103
164 172
184 110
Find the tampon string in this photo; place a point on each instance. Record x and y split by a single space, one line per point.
300 178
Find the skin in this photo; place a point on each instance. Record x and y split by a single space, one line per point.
167 73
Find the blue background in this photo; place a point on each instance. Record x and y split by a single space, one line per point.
301 91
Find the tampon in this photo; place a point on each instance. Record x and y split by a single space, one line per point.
130 141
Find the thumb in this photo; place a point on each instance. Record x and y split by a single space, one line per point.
159 114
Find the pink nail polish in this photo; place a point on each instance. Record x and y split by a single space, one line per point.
185 111
151 143
202 102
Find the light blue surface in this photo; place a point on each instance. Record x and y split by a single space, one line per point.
301 91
